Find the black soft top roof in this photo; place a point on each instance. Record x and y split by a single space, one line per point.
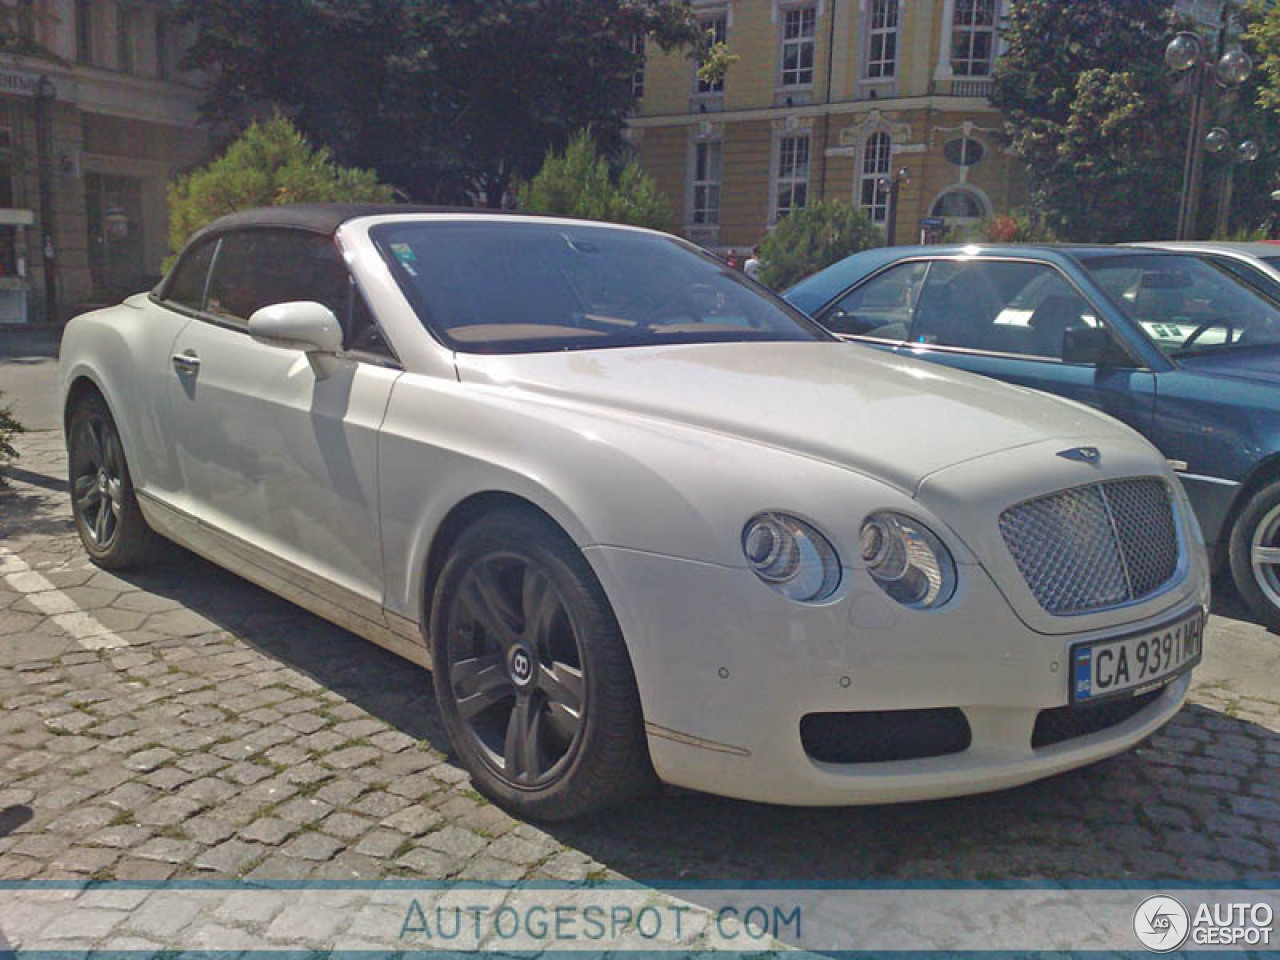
322 217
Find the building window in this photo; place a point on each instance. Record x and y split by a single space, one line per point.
959 204
125 17
163 67
706 183
874 198
963 151
973 38
717 29
26 14
636 48
882 39
792 190
797 46
84 31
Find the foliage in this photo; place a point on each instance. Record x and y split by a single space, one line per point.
1094 114
715 63
1263 38
451 100
9 429
580 183
807 240
270 163
1016 226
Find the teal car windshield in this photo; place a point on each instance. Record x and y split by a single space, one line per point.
1185 305
525 287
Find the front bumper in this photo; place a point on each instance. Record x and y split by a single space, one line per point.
727 670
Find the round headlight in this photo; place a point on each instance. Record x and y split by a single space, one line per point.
791 556
907 560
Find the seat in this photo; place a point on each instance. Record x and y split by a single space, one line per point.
1051 321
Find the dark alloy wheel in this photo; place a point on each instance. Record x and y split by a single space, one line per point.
515 669
531 672
107 516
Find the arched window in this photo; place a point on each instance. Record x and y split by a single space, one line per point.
874 198
960 203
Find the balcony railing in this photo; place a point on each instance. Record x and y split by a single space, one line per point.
971 86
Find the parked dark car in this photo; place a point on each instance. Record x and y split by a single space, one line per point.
1170 343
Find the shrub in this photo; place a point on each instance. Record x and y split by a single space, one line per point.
580 183
807 240
271 163
9 429
1016 226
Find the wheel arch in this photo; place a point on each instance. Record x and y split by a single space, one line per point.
81 385
1265 471
464 513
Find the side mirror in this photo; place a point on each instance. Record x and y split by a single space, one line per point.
300 325
1094 346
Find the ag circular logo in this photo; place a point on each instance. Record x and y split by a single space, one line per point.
521 666
1161 923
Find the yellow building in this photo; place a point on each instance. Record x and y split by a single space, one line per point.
96 116
830 99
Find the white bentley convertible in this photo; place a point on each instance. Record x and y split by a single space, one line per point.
637 515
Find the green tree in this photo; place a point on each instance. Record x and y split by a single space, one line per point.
1090 107
448 99
9 429
807 240
581 183
270 163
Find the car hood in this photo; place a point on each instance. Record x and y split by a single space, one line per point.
893 418
1244 363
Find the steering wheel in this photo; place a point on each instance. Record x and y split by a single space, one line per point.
1209 325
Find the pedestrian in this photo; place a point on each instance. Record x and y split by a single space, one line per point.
753 264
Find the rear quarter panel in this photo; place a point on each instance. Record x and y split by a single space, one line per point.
124 352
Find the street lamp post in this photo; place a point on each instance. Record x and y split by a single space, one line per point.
890 186
1215 141
1186 54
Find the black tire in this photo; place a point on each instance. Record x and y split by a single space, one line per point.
1258 528
515 582
107 516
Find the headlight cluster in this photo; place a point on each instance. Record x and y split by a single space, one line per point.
907 560
791 556
903 556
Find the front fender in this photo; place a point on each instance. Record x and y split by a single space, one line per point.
608 479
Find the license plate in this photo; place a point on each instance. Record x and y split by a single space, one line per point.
1133 665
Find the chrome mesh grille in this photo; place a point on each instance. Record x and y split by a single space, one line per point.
1097 546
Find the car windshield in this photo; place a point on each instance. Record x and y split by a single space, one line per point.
1186 305
529 286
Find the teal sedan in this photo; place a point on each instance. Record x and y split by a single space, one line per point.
1171 343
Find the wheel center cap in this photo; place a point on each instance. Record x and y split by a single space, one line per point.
521 667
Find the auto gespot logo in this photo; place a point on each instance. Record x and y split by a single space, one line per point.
1163 924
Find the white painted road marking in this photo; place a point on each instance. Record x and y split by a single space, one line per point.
82 627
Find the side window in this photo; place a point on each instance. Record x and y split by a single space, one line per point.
881 307
1250 274
362 334
1024 309
256 268
186 286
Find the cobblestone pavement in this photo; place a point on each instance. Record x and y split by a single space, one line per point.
196 726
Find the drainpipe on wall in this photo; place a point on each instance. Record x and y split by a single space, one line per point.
45 94
826 116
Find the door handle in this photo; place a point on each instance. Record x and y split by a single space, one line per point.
187 363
